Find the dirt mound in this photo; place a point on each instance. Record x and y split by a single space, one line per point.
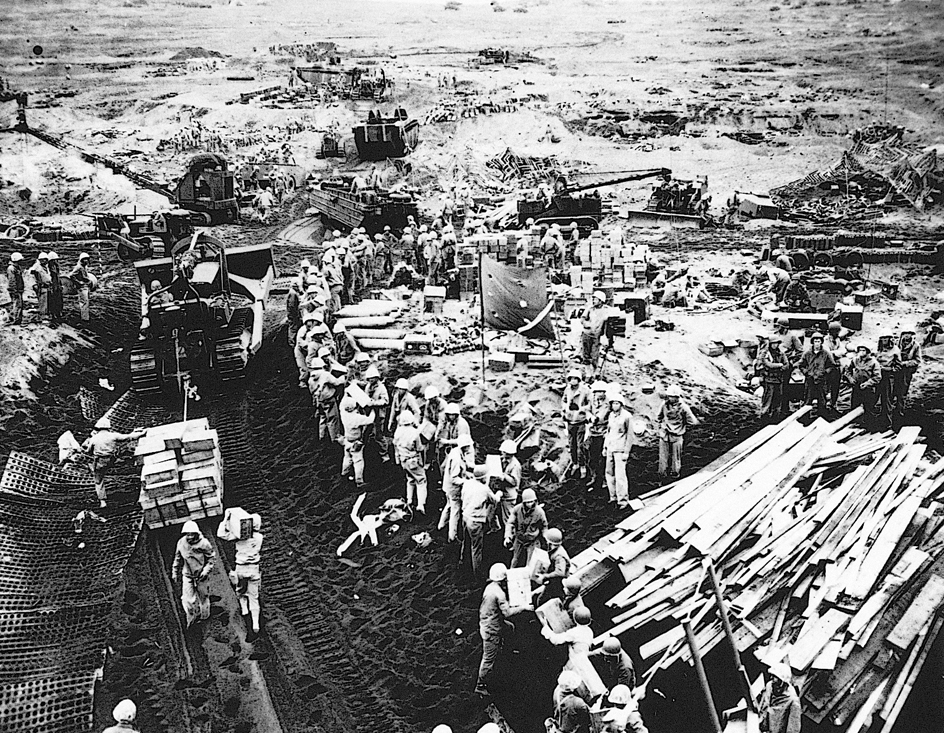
196 52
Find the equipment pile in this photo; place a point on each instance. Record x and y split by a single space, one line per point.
830 543
181 473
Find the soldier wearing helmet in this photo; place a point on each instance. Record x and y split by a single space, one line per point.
193 562
124 714
104 445
524 529
558 567
408 447
571 712
494 612
575 405
509 480
675 417
613 664
355 418
400 400
578 639
451 426
379 402
457 467
773 363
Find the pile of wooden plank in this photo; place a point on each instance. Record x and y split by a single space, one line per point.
181 473
830 544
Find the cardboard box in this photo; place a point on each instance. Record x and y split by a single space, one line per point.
433 299
851 316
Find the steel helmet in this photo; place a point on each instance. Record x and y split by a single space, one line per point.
324 351
125 712
673 391
599 295
834 326
573 225
103 424
509 446
464 441
387 229
320 329
339 327
529 222
304 263
490 728
42 256
528 495
336 233
83 256
572 583
442 729
372 372
190 527
431 392
599 386
569 681
498 572
378 237
16 257
611 645
784 322
256 521
621 695
582 616
53 255
361 358
782 671
309 317
554 535
338 367
616 396
316 364
406 418
816 336
574 374
401 383
453 408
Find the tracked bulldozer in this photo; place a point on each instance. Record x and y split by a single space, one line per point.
202 313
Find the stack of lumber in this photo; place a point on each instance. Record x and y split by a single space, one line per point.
829 542
181 473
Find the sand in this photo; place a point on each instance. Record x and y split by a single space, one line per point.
377 645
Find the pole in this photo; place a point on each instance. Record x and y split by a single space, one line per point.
728 632
482 316
702 677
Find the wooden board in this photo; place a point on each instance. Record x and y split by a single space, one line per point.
924 606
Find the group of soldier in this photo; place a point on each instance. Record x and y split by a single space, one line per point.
879 378
47 286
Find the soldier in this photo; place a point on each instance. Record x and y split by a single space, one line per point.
15 287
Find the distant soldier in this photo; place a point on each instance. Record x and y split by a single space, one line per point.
911 359
82 281
15 287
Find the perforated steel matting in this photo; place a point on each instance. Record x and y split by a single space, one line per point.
57 591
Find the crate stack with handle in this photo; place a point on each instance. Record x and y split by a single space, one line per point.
181 473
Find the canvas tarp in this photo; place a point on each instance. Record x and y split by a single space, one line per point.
512 297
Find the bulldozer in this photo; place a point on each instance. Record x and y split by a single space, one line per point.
202 313
139 236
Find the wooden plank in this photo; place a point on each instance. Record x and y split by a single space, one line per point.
909 626
808 646
883 547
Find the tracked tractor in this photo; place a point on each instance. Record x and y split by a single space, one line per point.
202 313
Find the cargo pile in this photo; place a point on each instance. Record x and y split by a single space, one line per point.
830 545
181 473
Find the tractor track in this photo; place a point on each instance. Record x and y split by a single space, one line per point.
339 695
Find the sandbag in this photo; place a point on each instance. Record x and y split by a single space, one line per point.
374 344
377 333
367 321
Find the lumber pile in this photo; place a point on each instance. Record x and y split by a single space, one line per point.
181 473
830 544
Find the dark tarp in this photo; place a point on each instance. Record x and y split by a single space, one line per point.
512 297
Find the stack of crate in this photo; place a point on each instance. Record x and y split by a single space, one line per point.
181 473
